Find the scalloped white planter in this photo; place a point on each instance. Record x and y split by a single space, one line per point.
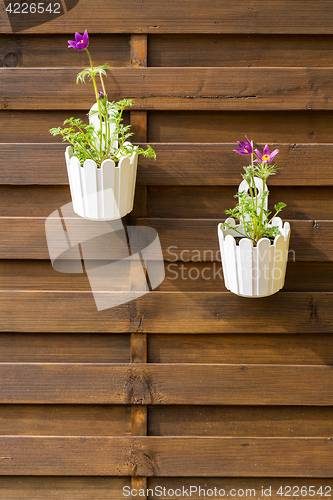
104 193
253 271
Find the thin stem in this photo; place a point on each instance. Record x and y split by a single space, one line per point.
277 212
236 230
98 103
102 82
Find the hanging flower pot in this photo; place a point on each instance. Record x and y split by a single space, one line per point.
101 162
254 251
253 271
104 193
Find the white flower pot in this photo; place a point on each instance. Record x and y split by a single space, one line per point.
251 271
254 271
104 193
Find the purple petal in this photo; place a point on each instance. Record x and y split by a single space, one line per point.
78 37
241 151
72 44
266 150
85 38
255 161
258 153
241 144
274 153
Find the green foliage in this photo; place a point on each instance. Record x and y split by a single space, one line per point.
92 73
255 220
99 145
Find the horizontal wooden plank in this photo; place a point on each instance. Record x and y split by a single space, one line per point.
34 126
62 348
40 201
201 384
240 421
239 50
192 16
174 88
195 201
201 164
65 420
307 126
249 348
239 488
192 312
52 51
64 488
201 202
197 276
181 239
167 456
179 276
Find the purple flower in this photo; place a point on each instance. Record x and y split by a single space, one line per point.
265 156
81 41
100 95
245 147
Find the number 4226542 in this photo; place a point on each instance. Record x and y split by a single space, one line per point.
33 8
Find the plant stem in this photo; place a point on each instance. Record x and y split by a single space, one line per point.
236 230
98 103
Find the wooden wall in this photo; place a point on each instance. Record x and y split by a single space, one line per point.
188 385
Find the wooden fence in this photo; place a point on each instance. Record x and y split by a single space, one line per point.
188 385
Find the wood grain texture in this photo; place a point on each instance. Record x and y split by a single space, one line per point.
192 312
307 126
205 202
197 276
65 420
50 50
239 50
176 164
62 348
33 126
192 17
138 51
249 348
39 201
181 239
175 88
38 275
139 414
240 486
200 202
138 119
62 488
167 456
141 383
241 421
